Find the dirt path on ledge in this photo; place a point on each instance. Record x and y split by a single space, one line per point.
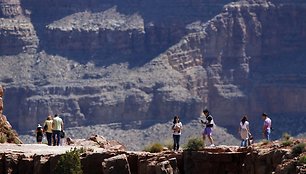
41 149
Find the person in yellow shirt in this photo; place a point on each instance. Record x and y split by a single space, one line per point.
48 129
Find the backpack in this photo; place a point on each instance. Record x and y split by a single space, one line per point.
45 127
209 124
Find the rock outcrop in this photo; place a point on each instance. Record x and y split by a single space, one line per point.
258 159
7 134
141 60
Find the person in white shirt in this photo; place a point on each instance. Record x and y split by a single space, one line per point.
57 127
244 131
177 131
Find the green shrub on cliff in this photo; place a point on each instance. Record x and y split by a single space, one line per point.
298 149
69 163
287 143
303 159
154 148
3 138
195 144
286 139
168 143
286 136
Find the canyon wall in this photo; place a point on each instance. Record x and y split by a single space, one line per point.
115 61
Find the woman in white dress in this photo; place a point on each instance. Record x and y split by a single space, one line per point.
244 131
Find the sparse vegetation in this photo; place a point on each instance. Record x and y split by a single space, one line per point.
298 149
286 136
287 143
303 159
168 143
3 138
7 134
70 163
195 144
286 139
154 148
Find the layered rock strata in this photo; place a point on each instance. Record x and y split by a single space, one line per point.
17 33
141 60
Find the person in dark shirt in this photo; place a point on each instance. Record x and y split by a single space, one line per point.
39 134
208 129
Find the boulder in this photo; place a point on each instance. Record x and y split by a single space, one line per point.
164 167
107 144
116 164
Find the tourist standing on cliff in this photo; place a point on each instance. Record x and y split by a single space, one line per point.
267 126
39 134
48 129
209 124
177 131
57 127
244 131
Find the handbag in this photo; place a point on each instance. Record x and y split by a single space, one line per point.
62 134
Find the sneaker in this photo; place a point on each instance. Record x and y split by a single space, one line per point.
212 145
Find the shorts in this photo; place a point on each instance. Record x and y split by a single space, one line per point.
207 131
39 139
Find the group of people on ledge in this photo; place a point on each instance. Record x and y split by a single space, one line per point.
53 127
208 123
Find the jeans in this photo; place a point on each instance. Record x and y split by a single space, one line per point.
267 134
57 139
244 143
49 138
176 142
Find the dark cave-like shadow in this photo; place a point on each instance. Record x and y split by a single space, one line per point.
165 21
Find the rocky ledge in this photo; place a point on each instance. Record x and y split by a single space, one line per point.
274 157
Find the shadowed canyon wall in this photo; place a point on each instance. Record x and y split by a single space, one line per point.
99 62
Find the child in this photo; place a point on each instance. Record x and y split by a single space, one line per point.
39 134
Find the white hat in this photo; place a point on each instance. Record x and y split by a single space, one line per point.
38 125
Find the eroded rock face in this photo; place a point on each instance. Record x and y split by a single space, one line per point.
10 8
116 164
124 61
247 59
17 33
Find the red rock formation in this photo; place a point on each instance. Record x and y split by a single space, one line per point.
7 134
258 159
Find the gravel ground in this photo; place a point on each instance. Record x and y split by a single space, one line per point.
136 136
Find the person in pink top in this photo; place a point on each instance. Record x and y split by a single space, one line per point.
266 129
